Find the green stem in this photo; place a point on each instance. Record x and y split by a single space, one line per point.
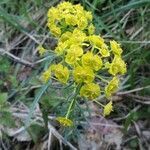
102 78
92 50
72 104
70 108
99 103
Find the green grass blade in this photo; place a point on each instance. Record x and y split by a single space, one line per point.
135 4
11 20
35 102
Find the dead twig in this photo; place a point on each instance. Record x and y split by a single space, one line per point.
103 124
136 33
17 59
134 90
139 135
20 60
133 110
145 102
49 139
60 137
139 97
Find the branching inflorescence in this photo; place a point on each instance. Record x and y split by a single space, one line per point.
83 56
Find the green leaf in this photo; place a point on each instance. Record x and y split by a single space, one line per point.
134 143
3 99
4 1
35 102
36 132
144 113
4 65
13 81
6 119
48 102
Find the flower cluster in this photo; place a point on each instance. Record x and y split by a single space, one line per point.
64 121
66 17
83 55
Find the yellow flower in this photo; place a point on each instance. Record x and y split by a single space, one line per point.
82 23
61 47
117 66
71 19
64 121
115 47
78 37
73 54
56 31
41 50
53 14
65 36
92 61
98 43
108 109
83 74
104 50
91 29
61 72
64 6
78 7
50 23
96 40
107 65
88 15
90 90
46 75
112 86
